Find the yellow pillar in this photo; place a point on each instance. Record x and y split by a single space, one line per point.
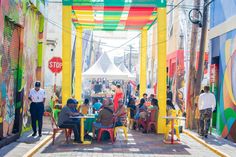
143 63
66 53
78 64
161 68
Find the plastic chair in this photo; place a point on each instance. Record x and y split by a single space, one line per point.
56 129
152 120
129 119
125 130
123 127
176 125
109 130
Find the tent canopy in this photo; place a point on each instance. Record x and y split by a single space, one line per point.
123 68
105 68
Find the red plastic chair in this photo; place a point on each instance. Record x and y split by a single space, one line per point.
56 129
152 120
109 130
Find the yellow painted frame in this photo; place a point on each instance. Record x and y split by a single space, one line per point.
143 63
161 69
78 63
66 53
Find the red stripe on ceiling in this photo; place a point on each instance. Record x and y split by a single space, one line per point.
133 23
82 8
142 8
113 8
143 12
99 21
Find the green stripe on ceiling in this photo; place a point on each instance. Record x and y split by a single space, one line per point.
141 3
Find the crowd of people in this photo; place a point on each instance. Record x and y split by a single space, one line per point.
112 112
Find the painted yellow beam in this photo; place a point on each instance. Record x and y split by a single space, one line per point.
66 53
143 63
78 63
161 68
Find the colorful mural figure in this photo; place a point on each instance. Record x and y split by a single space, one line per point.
226 125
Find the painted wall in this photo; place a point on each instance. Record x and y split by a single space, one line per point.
226 114
21 46
224 47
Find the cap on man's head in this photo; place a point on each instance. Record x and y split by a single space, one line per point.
70 101
37 84
76 102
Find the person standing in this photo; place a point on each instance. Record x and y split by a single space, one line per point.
206 105
169 102
37 97
118 95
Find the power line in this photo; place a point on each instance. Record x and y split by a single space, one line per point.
74 34
175 7
125 43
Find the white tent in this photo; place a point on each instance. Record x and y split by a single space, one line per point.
123 68
105 68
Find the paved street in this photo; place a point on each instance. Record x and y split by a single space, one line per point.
25 142
137 145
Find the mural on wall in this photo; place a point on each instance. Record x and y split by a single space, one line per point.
19 47
30 60
10 36
226 123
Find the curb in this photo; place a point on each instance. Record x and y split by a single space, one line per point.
220 153
38 146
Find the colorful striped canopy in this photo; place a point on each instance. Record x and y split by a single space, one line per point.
110 15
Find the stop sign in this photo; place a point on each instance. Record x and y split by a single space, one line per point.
55 64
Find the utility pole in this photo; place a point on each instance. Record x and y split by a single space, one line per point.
192 70
195 79
200 70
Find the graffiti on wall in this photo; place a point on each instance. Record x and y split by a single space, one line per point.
226 124
30 60
19 48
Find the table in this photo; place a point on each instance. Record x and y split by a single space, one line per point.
82 118
172 127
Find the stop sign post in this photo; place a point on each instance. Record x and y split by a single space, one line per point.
55 65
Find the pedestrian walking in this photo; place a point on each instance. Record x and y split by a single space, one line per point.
206 105
37 97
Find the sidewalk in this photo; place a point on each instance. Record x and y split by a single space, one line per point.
219 143
138 145
26 142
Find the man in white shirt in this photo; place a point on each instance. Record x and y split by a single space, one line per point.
206 105
37 97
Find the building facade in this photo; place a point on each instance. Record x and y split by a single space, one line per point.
223 65
21 54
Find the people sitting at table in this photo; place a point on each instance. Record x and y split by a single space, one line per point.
141 110
83 108
105 117
65 120
96 105
152 96
145 97
153 108
74 106
120 114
